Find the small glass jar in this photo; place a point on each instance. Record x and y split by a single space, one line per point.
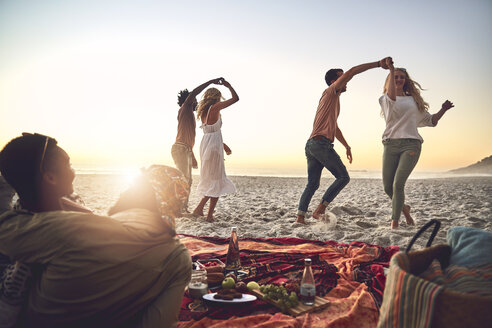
198 284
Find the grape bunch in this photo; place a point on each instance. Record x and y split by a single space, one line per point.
280 296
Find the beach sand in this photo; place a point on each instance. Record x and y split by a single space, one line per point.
266 207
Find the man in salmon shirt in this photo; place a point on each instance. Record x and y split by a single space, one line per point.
319 147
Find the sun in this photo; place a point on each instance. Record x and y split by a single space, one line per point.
130 175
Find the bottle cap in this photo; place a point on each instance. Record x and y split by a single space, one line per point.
234 229
307 261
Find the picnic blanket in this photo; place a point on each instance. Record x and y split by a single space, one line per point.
350 276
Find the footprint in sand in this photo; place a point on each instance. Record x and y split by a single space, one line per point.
364 224
476 220
352 210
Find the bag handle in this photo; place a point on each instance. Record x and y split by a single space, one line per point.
421 230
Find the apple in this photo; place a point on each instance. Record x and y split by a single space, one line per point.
232 275
252 285
228 283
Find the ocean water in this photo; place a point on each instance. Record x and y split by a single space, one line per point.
100 191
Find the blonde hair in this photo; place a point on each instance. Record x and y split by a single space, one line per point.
210 97
410 88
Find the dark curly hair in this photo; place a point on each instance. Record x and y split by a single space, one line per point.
20 163
332 74
182 95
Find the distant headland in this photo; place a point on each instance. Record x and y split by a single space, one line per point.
480 167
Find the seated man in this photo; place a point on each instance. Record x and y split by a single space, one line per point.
90 271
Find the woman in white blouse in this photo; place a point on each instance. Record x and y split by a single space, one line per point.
404 110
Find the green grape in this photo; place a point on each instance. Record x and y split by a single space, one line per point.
280 296
293 298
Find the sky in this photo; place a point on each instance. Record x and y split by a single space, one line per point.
102 76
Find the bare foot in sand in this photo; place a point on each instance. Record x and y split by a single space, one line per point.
300 219
319 211
406 213
210 218
197 214
394 224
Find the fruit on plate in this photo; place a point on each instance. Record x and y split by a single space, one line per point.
232 275
241 287
228 283
252 285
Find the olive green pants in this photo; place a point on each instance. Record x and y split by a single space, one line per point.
399 158
183 156
164 310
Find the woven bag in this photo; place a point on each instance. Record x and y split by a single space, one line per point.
411 301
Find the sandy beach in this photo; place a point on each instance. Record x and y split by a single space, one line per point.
266 207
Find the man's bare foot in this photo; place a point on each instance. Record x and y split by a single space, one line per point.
210 219
319 211
394 224
406 213
300 219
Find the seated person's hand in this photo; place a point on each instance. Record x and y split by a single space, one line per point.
139 195
70 205
160 189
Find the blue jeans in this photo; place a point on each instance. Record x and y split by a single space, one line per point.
320 154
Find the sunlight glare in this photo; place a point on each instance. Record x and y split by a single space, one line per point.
129 176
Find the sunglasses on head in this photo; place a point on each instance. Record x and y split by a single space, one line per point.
46 140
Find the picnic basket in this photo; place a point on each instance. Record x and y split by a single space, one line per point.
412 301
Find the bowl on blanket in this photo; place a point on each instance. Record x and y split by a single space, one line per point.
211 265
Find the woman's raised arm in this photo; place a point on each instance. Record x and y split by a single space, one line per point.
391 85
223 104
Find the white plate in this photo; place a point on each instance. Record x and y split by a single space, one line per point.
245 298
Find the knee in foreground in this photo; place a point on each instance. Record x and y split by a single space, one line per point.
389 190
344 180
398 186
312 186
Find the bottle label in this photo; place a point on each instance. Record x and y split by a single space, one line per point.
308 290
308 293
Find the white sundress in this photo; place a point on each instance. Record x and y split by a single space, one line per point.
213 179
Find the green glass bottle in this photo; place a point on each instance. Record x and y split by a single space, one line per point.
233 261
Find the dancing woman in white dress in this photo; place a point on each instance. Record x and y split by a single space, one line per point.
213 180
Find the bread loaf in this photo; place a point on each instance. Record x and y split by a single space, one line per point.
213 269
215 277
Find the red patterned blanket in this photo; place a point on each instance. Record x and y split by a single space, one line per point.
350 276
